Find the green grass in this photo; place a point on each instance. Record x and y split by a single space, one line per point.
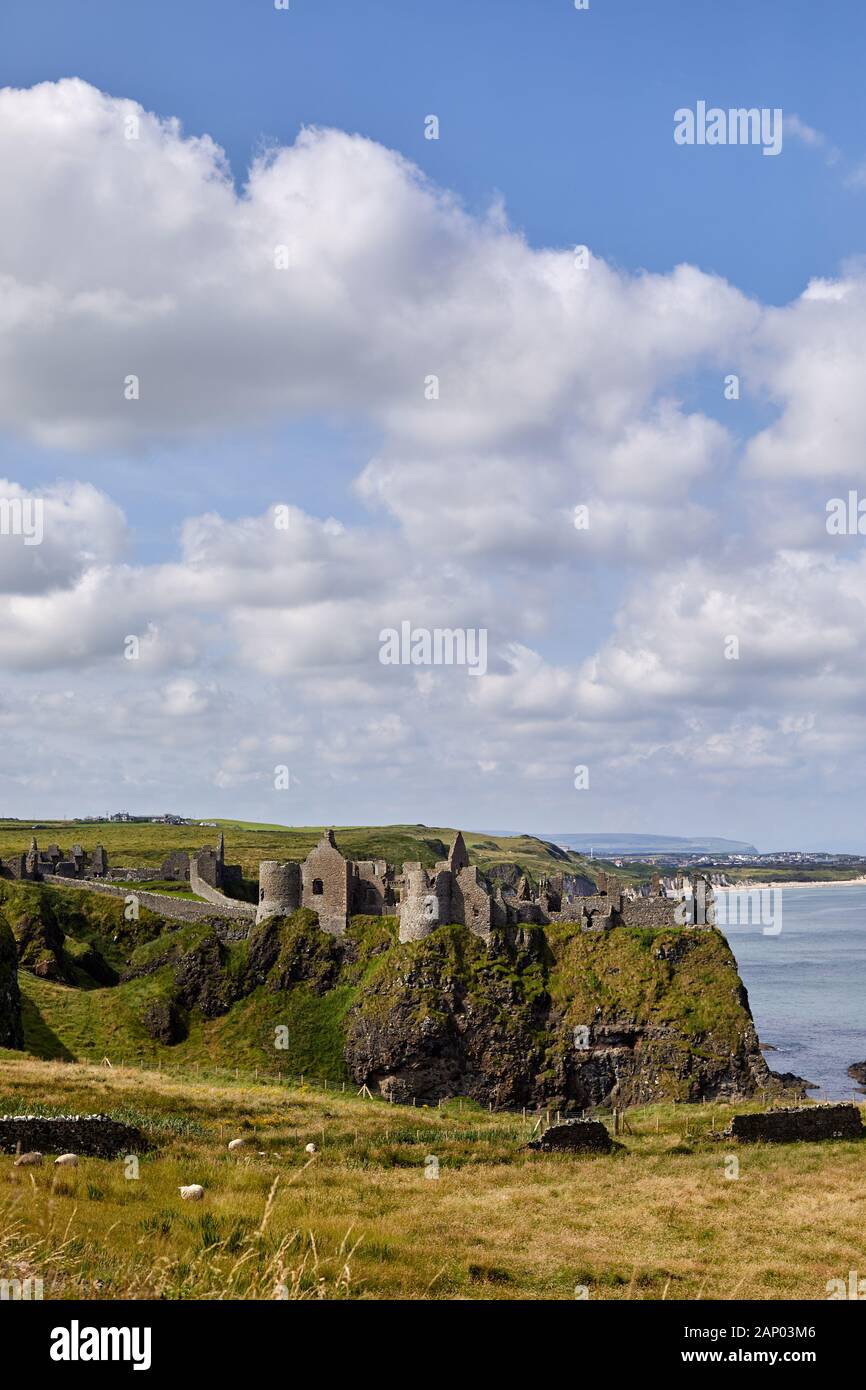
158 885
656 1219
139 846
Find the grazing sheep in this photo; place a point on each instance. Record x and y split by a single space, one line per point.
310 1149
237 1144
33 1160
193 1193
66 1161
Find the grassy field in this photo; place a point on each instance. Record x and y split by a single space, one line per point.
359 1219
139 846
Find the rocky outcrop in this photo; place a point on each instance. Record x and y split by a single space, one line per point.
564 1018
40 946
508 876
11 1034
857 1071
164 1022
202 980
45 950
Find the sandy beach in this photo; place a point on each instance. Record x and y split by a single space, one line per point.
747 887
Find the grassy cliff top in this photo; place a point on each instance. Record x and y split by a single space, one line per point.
140 845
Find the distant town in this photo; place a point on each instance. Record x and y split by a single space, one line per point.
776 859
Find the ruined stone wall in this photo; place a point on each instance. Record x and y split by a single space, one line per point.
92 1136
279 889
206 867
650 912
175 909
807 1122
176 866
470 902
14 867
327 883
230 906
371 887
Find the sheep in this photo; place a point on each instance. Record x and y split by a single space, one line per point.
237 1144
310 1149
193 1193
32 1160
66 1161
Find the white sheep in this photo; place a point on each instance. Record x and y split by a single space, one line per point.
310 1149
237 1144
193 1193
32 1160
66 1161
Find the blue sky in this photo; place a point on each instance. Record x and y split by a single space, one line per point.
556 128
567 114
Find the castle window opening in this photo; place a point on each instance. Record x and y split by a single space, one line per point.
318 887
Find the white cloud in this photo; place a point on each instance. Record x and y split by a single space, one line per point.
558 387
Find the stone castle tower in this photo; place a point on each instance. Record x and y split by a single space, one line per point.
451 892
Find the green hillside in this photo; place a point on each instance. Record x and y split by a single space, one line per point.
139 846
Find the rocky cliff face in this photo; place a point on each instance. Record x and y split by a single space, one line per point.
561 1018
11 1034
547 1015
541 1016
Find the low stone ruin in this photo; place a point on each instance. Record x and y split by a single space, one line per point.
574 1136
93 1136
803 1123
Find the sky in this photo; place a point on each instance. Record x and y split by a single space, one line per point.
283 374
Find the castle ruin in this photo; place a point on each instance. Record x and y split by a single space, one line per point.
204 869
337 889
453 891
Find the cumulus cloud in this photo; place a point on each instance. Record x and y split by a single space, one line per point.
505 386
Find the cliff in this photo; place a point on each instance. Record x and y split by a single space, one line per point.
565 1019
541 1016
11 1034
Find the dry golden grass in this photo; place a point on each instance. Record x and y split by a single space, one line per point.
360 1220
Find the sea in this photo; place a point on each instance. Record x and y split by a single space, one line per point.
807 983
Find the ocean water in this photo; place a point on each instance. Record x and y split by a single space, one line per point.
807 986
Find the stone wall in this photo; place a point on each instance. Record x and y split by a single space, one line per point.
230 907
165 904
372 893
93 1136
471 903
807 1122
650 912
574 1136
327 885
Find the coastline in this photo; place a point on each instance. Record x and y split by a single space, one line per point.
747 887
